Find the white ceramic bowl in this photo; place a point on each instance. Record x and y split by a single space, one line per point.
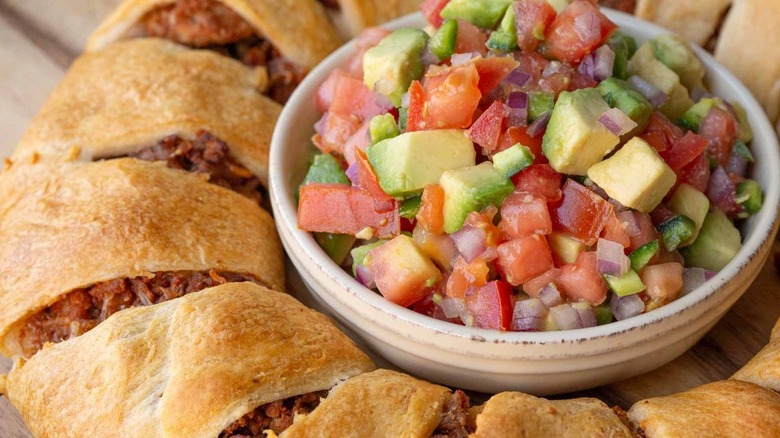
492 361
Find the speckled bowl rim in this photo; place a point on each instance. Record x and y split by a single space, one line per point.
765 223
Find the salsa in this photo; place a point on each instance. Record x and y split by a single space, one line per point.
525 166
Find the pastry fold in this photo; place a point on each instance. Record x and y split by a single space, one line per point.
352 16
129 96
383 403
776 332
764 368
728 408
73 225
184 368
298 29
694 20
516 415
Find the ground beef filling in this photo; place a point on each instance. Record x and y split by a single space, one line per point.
276 416
82 309
211 25
331 4
454 418
206 155
627 6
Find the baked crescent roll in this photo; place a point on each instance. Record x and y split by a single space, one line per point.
145 98
84 240
288 37
764 368
694 20
385 403
776 332
728 408
517 415
193 367
749 45
352 16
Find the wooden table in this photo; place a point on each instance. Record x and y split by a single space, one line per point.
39 39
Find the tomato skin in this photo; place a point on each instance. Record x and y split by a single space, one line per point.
534 286
341 209
582 280
369 183
720 128
352 97
532 17
414 116
524 258
492 306
581 212
431 214
334 130
470 39
466 275
519 134
540 180
523 214
615 231
326 91
661 133
492 71
685 150
565 43
451 97
696 173
486 130
431 10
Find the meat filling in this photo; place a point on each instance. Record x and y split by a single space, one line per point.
453 419
82 309
627 6
206 155
331 4
276 416
211 25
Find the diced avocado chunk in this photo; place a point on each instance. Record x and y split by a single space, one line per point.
676 230
359 253
619 94
442 43
574 140
565 246
750 195
745 130
471 189
717 244
405 164
603 314
635 176
641 256
512 160
325 169
383 127
410 207
644 64
624 47
481 13
391 66
678 56
628 284
693 117
505 38
336 246
539 103
691 203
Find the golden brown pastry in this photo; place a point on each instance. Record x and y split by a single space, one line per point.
84 240
286 37
775 332
385 403
193 367
695 20
727 408
764 368
136 97
517 415
352 16
749 45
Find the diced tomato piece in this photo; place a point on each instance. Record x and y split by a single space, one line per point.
487 128
696 174
326 91
556 82
720 127
470 39
439 247
431 10
582 280
370 184
519 134
540 180
532 17
663 283
431 214
466 275
535 285
352 97
532 64
581 212
414 116
359 141
492 306
333 131
341 209
661 133
578 30
405 281
647 232
615 231
451 97
492 71
579 80
523 214
524 258
367 39
685 150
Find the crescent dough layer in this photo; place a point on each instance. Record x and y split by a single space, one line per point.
184 368
764 368
726 408
299 29
776 332
68 226
513 414
694 20
357 15
383 403
130 95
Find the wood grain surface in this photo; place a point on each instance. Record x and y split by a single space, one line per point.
40 38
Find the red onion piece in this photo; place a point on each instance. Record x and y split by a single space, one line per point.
585 314
528 315
610 258
364 276
566 317
550 296
517 114
471 242
587 67
452 307
692 279
352 174
626 307
518 100
406 100
722 192
319 126
630 223
551 68
736 165
462 58
604 63
539 125
698 93
428 58
617 122
517 77
653 94
709 274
